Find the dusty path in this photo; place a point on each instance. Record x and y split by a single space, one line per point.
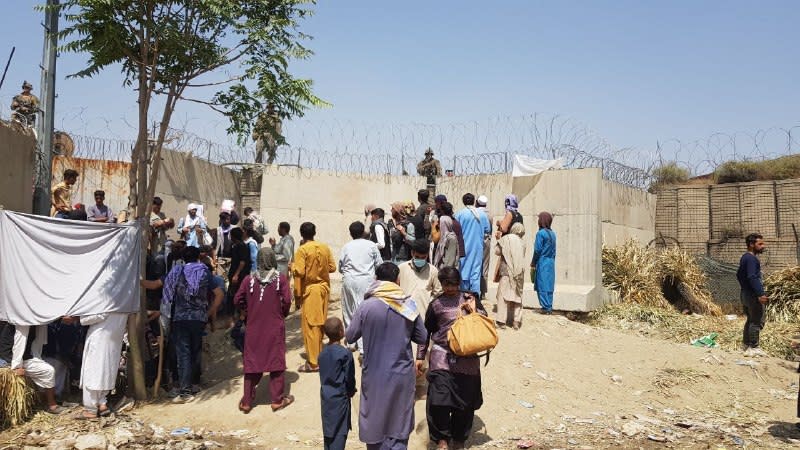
555 382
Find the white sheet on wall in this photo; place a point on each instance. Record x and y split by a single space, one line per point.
526 166
54 267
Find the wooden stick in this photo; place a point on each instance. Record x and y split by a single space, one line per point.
157 383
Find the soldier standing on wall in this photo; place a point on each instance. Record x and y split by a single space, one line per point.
25 105
430 168
267 134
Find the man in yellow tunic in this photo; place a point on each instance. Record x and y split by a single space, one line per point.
313 264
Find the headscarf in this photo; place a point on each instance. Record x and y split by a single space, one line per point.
266 266
511 202
193 272
190 221
446 227
392 295
398 210
545 220
404 210
512 249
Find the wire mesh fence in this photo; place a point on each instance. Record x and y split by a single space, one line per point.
722 283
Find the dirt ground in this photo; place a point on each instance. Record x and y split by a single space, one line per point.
553 384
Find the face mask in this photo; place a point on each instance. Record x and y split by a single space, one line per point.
419 263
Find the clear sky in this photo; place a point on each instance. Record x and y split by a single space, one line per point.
636 72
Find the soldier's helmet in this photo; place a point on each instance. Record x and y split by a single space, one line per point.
429 151
26 85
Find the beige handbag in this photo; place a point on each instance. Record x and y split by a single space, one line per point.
472 334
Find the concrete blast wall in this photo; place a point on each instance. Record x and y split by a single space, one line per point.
17 150
588 211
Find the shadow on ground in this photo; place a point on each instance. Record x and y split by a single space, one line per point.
787 432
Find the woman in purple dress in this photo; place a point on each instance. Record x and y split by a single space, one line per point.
264 299
454 382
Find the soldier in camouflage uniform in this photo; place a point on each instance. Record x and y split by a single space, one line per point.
25 106
430 168
267 134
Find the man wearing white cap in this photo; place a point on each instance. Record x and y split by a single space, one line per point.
189 224
487 242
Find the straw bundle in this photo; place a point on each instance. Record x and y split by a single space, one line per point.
678 268
17 398
632 270
783 289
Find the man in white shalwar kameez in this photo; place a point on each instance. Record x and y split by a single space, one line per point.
357 262
101 355
27 361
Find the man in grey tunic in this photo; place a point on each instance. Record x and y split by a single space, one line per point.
388 321
357 263
284 248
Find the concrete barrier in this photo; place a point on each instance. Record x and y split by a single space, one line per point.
588 211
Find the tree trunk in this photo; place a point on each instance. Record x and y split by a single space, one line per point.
138 186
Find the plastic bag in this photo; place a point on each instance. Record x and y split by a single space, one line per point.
708 341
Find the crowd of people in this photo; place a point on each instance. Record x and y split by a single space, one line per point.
405 279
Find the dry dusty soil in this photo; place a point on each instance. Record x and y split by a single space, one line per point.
553 384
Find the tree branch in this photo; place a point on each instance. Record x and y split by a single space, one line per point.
211 105
216 83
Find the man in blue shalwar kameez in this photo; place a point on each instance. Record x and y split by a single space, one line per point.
474 226
544 262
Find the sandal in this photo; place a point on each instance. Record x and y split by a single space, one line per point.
245 409
306 368
84 415
286 401
104 412
55 410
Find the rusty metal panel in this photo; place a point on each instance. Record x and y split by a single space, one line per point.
95 174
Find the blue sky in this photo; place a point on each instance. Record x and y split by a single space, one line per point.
636 72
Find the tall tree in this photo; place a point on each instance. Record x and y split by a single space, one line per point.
233 56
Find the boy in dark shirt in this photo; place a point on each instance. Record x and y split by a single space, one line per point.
337 385
752 295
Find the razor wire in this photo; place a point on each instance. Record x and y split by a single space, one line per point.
703 156
356 148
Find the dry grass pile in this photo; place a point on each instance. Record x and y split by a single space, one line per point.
783 168
17 398
668 324
668 378
632 271
783 289
678 268
668 174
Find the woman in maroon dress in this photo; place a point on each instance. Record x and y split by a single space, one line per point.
264 299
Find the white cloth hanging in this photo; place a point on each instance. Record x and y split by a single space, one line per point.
51 268
526 166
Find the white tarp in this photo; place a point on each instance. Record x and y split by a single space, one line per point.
526 166
54 267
